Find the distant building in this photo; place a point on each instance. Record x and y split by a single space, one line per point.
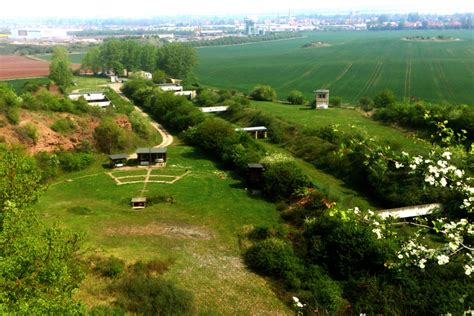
93 98
250 26
322 99
178 90
118 160
151 156
138 202
36 34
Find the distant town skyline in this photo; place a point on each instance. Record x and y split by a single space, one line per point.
143 8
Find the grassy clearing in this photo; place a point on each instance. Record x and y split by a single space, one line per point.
438 71
19 84
198 230
346 119
84 83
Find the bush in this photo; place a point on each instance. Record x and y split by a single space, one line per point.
13 115
264 232
75 161
111 267
366 103
296 97
335 101
207 97
272 257
282 179
263 93
64 126
384 99
159 76
28 132
154 296
109 136
107 311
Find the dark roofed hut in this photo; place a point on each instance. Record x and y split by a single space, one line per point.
151 156
118 160
255 176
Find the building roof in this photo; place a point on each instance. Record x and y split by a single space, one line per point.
322 90
411 211
118 156
153 150
138 199
252 129
255 166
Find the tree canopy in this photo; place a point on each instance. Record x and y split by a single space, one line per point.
59 69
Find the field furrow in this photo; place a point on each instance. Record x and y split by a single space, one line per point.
407 88
341 75
370 82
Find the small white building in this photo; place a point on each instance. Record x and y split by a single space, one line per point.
214 109
322 99
170 87
190 94
93 98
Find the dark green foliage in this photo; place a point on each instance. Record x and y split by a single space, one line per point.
80 210
110 267
366 103
207 97
59 69
272 257
74 161
335 101
346 249
13 115
152 267
282 179
107 311
48 163
264 232
177 60
64 126
295 97
109 136
384 99
236 40
9 104
153 296
159 76
263 93
121 105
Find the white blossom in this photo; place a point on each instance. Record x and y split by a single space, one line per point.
442 259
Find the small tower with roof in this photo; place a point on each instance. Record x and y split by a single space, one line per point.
322 98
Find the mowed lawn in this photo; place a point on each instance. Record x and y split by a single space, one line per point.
346 119
356 64
198 230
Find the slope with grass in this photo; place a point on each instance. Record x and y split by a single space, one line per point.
198 229
356 64
345 119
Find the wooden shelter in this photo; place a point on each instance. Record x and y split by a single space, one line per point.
257 131
118 160
322 98
151 156
255 176
138 202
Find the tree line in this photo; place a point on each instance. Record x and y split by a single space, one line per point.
236 40
176 60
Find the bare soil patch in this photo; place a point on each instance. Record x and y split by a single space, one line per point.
166 229
18 67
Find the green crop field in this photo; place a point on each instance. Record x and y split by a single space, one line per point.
356 64
76 58
198 231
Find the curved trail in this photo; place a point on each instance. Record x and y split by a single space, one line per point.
167 138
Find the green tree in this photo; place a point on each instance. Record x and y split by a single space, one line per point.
263 93
109 136
296 97
366 103
148 58
92 60
59 69
385 98
38 266
159 76
282 180
335 101
177 60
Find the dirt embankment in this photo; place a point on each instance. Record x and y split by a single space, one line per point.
47 139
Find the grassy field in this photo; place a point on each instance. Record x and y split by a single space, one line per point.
356 64
347 119
199 231
84 83
76 58
18 84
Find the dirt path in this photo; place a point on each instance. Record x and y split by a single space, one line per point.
167 138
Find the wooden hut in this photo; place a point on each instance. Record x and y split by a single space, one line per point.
255 176
138 202
151 156
118 160
257 131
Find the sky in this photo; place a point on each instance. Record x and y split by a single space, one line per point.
144 8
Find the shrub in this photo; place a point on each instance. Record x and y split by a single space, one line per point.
272 257
263 93
384 99
28 132
159 76
75 161
207 97
264 232
296 97
103 310
154 296
366 103
111 267
109 136
64 126
282 179
335 101
13 115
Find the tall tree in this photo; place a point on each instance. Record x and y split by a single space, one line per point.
38 266
92 60
177 60
59 69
